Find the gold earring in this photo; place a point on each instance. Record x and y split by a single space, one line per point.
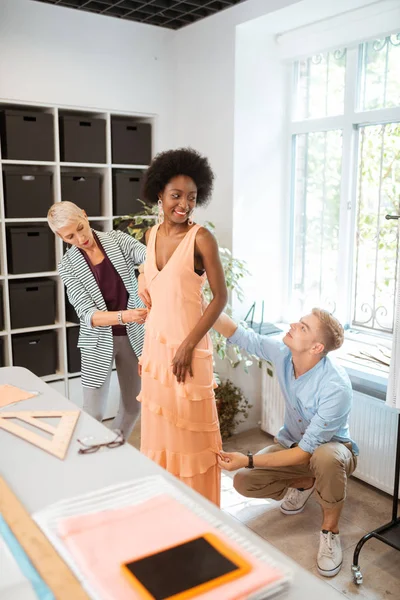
160 212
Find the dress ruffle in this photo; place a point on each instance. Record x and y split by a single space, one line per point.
156 336
165 376
158 365
189 410
183 465
176 420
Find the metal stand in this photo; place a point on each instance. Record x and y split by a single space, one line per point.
389 533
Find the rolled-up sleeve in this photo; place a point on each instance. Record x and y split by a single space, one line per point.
332 413
266 348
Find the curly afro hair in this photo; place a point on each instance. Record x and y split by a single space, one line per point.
172 163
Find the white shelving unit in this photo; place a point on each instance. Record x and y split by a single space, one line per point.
66 383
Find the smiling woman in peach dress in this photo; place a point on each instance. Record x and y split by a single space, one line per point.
179 427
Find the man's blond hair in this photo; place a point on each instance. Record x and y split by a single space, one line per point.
332 330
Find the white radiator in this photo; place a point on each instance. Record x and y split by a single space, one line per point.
373 426
272 402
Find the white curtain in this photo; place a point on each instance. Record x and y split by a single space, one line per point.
393 390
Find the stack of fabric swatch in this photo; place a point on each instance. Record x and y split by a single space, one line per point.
99 532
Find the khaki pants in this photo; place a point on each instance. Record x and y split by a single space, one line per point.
330 465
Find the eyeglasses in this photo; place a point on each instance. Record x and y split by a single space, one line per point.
91 448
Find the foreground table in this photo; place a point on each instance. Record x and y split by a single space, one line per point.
39 479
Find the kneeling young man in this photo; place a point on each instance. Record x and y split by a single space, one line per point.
313 449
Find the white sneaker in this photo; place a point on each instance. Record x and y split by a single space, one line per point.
295 500
330 556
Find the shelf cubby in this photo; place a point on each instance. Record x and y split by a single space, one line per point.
63 150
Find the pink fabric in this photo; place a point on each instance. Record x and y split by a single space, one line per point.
10 394
101 542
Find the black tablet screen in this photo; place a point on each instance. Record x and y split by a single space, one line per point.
180 568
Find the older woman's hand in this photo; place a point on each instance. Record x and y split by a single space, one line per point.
135 315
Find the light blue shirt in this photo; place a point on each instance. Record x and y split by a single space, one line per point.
317 404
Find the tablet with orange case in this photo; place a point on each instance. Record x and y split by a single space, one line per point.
185 570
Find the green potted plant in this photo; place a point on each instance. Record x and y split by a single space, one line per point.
232 408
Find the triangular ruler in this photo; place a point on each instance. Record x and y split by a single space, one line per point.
62 434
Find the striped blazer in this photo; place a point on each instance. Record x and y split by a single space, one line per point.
96 343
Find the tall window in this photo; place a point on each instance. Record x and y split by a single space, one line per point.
346 179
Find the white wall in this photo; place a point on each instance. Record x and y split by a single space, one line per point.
261 172
205 98
55 55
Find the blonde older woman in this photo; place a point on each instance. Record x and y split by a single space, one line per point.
99 274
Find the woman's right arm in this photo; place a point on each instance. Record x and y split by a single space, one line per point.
86 309
108 317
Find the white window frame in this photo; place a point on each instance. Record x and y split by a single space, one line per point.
348 122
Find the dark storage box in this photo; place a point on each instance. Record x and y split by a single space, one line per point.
83 189
26 135
30 249
70 313
36 352
73 352
32 303
1 309
98 225
82 139
131 142
126 191
27 194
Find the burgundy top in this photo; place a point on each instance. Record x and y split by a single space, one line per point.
111 286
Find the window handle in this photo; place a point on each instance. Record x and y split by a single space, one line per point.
388 217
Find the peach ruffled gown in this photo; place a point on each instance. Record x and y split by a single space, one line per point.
179 423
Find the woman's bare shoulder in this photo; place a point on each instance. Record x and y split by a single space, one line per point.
204 237
147 236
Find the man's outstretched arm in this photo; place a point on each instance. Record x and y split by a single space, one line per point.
225 325
231 461
262 346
